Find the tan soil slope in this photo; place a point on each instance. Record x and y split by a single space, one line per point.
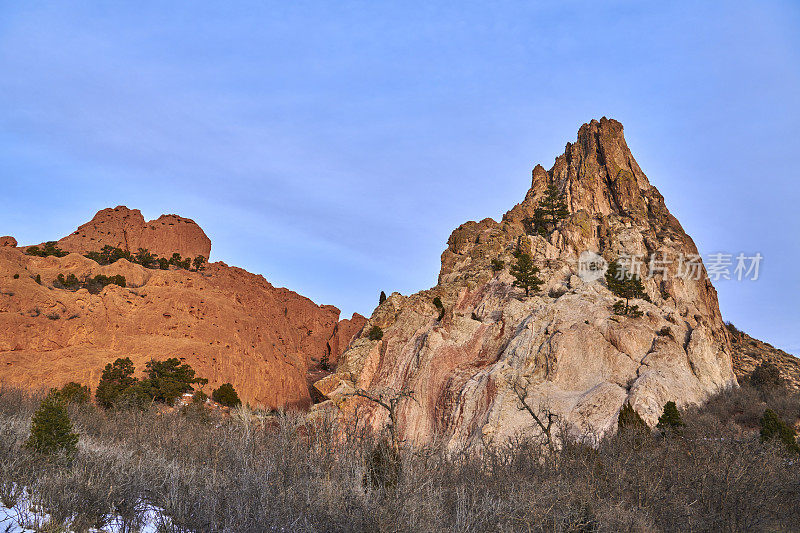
748 353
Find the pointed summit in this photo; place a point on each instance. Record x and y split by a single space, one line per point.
599 175
569 343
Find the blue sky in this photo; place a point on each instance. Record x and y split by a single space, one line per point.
333 146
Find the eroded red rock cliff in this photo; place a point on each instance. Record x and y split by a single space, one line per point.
125 228
228 324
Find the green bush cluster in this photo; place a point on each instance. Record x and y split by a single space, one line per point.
97 283
226 395
765 376
177 261
75 393
110 254
93 285
51 428
375 333
70 282
774 428
199 262
165 382
49 248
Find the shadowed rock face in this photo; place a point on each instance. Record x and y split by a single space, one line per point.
579 359
125 228
748 353
228 324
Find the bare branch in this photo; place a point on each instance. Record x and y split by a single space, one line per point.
521 391
389 399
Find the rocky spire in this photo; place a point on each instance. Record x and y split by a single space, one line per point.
567 343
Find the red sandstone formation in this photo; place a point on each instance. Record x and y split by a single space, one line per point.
228 324
125 228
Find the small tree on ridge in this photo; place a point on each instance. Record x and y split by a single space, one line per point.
626 285
525 273
552 208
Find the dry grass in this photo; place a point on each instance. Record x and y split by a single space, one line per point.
254 473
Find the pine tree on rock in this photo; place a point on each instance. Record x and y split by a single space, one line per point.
325 362
51 429
626 285
551 209
525 273
670 419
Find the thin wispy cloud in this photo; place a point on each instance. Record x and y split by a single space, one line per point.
332 147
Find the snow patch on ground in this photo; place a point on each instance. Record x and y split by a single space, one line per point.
26 518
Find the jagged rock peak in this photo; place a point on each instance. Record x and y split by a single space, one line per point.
605 190
599 175
127 229
566 343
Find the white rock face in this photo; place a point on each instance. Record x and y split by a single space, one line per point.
577 358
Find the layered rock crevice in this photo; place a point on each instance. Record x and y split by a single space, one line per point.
574 355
